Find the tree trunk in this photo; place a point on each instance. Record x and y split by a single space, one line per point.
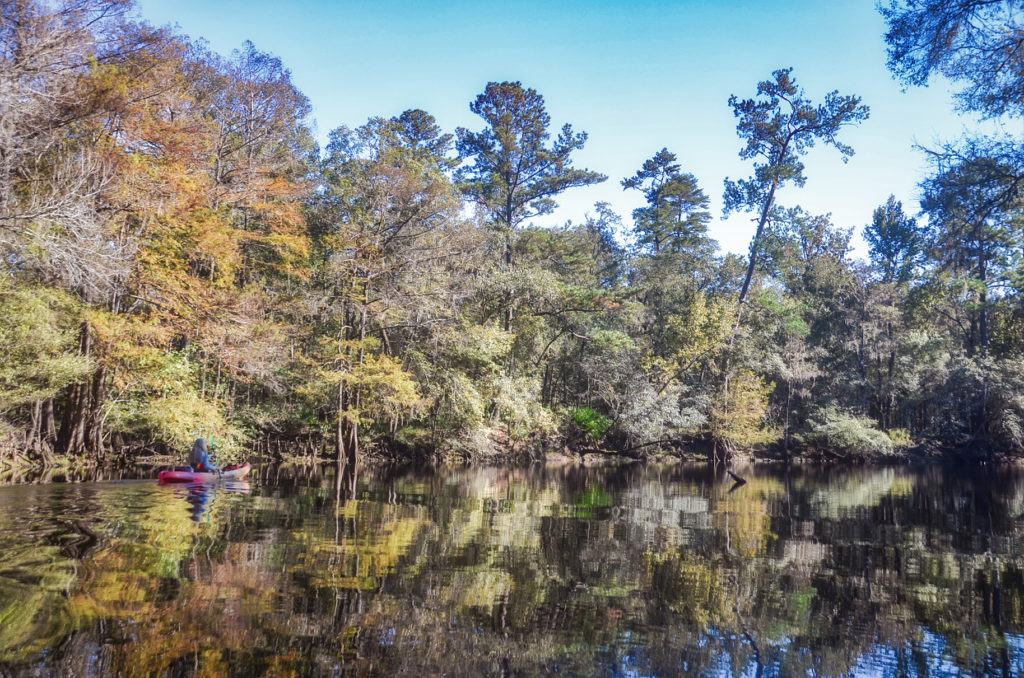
49 425
887 392
71 439
354 424
789 400
508 260
32 439
983 327
862 350
765 209
339 437
94 423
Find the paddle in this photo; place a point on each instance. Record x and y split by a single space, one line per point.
213 456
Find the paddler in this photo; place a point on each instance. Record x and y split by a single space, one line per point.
199 458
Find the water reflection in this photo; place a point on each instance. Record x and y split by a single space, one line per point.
503 571
202 495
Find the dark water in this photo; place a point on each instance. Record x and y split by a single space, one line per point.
638 571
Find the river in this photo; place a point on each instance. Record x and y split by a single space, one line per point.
480 571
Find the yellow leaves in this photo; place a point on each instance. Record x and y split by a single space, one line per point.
738 415
154 390
693 335
198 239
131 347
178 418
158 398
704 324
290 253
383 373
121 332
386 388
482 343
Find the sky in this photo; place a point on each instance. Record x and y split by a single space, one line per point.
636 76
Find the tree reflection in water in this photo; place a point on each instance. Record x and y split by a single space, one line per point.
640 570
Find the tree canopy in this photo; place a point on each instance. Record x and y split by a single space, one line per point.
181 257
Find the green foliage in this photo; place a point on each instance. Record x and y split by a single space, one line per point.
38 339
848 435
900 437
593 424
517 406
789 312
676 216
163 403
201 267
514 172
779 126
896 243
1006 404
963 41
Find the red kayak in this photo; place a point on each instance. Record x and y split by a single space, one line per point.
185 474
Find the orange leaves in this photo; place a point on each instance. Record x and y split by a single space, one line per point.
199 237
246 340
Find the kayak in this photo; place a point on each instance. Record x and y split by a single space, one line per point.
187 475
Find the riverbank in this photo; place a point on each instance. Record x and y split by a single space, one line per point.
930 451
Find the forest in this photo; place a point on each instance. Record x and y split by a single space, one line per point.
182 258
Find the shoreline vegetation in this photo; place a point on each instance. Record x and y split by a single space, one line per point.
182 259
737 466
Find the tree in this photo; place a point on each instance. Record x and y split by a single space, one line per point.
896 246
259 147
676 215
780 126
158 184
977 43
53 173
213 176
515 174
418 130
39 338
738 420
895 243
95 92
383 216
675 250
974 208
971 199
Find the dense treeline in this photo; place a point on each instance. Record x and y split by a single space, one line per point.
180 258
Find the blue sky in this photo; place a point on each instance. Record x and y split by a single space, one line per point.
636 76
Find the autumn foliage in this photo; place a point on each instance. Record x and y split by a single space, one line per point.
181 258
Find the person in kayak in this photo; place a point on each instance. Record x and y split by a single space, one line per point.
199 458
